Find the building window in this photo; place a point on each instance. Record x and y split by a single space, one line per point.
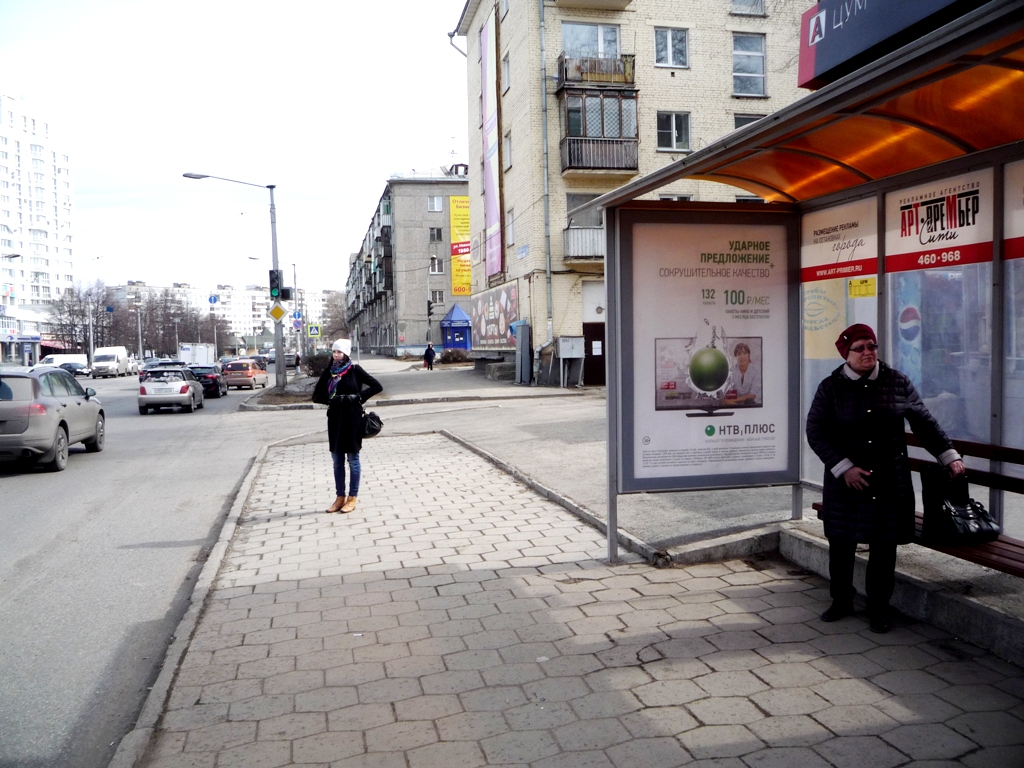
749 199
748 7
434 203
503 8
510 226
595 41
676 198
435 235
674 130
436 265
591 218
670 48
506 73
747 65
601 116
508 150
740 120
437 297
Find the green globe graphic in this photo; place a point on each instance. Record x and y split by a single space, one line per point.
709 431
709 369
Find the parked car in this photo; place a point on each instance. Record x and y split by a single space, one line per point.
76 369
289 359
43 412
212 379
245 373
167 386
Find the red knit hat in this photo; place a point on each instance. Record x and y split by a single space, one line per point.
851 334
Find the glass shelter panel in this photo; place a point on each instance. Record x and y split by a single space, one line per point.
838 269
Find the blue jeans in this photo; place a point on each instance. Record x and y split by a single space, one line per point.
354 470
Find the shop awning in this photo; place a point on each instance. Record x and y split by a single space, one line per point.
456 318
957 91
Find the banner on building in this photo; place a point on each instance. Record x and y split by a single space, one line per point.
708 320
492 202
461 259
493 313
1013 210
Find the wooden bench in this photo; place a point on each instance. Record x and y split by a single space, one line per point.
1005 554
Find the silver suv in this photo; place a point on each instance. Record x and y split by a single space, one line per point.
44 411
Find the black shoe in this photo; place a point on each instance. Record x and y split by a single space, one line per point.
879 623
837 611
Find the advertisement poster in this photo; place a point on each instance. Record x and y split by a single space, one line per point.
945 223
493 312
710 350
1013 213
489 94
462 279
838 268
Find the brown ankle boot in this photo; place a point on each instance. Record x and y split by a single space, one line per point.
337 505
350 504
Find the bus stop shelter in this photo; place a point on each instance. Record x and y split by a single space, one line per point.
896 198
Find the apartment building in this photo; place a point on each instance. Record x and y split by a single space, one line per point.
569 99
36 201
413 264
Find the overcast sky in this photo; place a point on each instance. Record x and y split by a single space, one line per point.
324 98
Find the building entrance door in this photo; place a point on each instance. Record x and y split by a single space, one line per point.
593 354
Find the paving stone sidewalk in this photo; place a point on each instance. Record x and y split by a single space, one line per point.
457 619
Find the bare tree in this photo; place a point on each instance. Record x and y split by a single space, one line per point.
334 323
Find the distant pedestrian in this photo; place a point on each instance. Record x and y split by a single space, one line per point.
428 357
343 388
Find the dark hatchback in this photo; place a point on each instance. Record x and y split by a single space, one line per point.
212 379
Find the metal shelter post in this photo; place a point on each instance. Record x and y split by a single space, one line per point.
613 365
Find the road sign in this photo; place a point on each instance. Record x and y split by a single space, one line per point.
313 331
277 312
297 325
213 299
296 315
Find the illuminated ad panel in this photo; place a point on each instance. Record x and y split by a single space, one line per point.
710 397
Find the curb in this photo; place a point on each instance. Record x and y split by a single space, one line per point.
626 540
244 406
134 743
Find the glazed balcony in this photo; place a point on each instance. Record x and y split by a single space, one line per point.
596 5
595 70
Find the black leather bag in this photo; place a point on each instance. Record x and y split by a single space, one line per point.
951 517
372 424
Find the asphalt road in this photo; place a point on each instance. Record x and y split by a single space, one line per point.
97 564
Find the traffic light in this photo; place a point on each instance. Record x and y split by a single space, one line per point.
286 294
430 308
275 283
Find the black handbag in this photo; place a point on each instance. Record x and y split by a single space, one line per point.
951 517
372 424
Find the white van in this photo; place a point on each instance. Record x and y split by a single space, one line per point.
57 360
109 361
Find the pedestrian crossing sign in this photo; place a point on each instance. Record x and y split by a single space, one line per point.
313 330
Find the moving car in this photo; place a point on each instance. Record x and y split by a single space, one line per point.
245 373
76 369
167 386
43 412
110 361
261 360
58 360
212 379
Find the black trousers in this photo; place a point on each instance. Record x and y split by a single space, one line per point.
881 575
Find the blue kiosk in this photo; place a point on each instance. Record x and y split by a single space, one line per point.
455 329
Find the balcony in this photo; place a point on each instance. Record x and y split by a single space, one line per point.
583 243
597 5
593 70
613 156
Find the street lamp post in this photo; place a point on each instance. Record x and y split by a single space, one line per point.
280 368
177 344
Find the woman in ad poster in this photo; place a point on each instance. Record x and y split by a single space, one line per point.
856 426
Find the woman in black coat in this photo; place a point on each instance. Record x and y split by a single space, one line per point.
343 388
856 427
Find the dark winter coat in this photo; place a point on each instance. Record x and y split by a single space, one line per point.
428 355
345 409
863 420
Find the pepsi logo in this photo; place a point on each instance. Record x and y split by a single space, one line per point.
910 324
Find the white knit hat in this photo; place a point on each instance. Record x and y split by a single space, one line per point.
343 345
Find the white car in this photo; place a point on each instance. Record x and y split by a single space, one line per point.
170 386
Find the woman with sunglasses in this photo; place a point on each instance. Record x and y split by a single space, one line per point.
856 427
